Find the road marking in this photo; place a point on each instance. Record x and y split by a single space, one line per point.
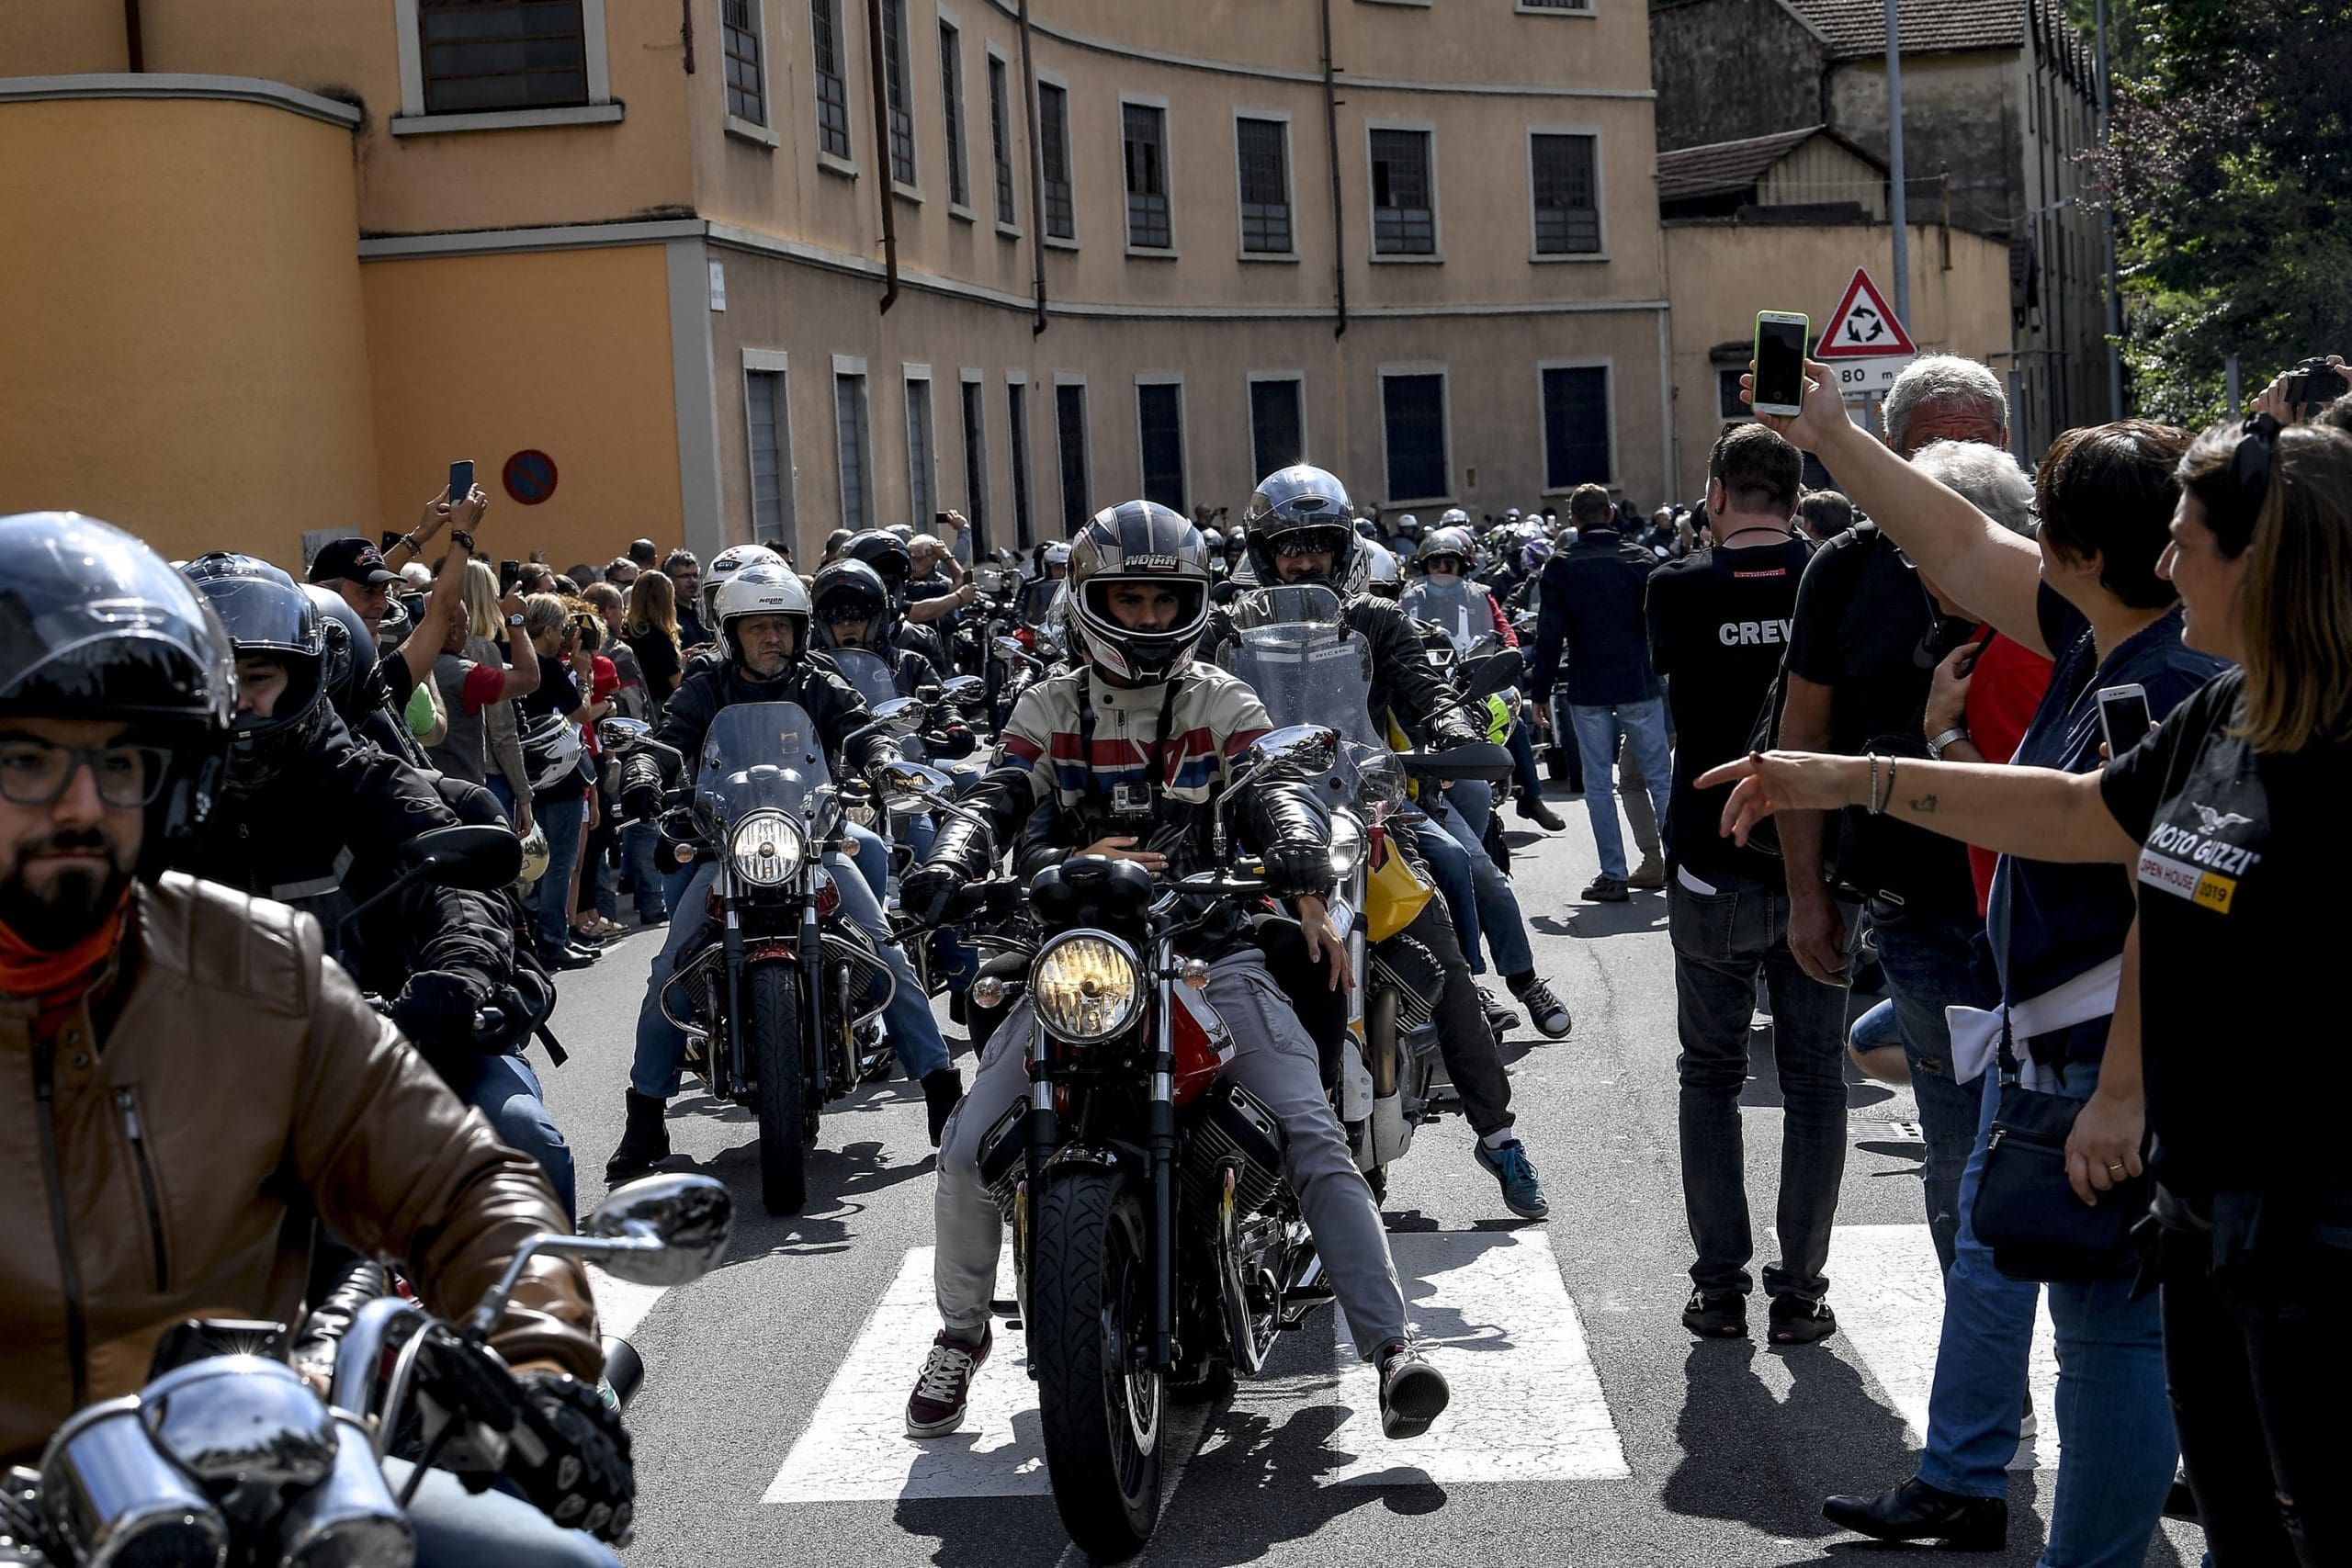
1890 1299
1493 1315
621 1307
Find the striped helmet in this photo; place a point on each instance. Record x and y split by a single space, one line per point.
1137 541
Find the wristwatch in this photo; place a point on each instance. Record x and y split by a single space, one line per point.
1936 745
513 620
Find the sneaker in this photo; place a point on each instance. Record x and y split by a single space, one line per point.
2029 1424
1412 1392
1796 1321
1650 875
936 1406
1546 1011
1523 1194
1532 808
1722 1316
1607 889
1499 1019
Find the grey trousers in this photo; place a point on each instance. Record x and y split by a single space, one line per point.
1275 1060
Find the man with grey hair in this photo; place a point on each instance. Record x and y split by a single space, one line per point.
1863 654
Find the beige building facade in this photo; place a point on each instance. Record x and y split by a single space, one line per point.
1137 250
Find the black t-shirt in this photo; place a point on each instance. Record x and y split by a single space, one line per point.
657 655
558 695
2243 853
1718 627
1865 626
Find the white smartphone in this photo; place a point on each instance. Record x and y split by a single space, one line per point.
1780 339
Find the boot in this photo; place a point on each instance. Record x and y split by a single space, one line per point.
645 1141
1532 808
941 1092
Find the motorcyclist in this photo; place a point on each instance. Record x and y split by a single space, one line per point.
850 608
764 625
723 565
197 1064
1468 612
892 562
1158 733
1037 593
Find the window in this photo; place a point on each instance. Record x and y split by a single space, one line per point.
922 474
1412 409
1160 427
1404 216
951 99
895 78
1584 6
1000 143
976 465
738 28
1069 426
502 54
1262 149
1576 425
1727 398
1146 131
1567 193
833 84
1053 143
1277 425
771 448
1016 395
849 424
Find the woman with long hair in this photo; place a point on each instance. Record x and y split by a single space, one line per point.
650 630
2228 817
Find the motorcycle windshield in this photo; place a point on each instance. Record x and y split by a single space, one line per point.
867 670
759 755
1312 671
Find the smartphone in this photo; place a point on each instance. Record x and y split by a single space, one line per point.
939 520
1780 339
510 572
461 480
2122 716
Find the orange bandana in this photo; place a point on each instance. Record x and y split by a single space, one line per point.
57 980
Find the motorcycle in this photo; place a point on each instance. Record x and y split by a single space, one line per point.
227 1454
779 993
994 613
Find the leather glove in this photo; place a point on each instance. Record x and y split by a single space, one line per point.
955 740
582 1476
435 1009
1451 727
641 801
1298 868
925 892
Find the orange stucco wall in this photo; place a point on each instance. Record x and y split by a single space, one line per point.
181 348
565 352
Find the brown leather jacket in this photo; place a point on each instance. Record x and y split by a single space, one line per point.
147 1172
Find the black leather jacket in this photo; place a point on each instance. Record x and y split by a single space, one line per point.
1404 684
832 704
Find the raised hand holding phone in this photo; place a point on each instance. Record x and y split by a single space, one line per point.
1781 337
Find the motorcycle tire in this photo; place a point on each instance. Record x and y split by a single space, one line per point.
771 993
1090 1300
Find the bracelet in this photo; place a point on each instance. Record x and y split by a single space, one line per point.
1937 744
1877 803
1890 779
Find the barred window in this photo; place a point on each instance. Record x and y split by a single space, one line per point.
1146 133
1567 199
739 27
1053 144
1403 218
1263 149
1001 141
951 101
771 455
832 85
1576 426
895 78
502 54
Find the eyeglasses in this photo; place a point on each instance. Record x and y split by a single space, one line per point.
35 772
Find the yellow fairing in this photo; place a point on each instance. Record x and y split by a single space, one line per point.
1394 892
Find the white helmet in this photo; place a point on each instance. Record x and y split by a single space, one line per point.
550 750
1057 553
535 855
1383 574
1211 538
1454 517
1408 521
724 565
763 588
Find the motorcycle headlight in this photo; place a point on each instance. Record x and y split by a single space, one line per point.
766 848
1086 988
1347 845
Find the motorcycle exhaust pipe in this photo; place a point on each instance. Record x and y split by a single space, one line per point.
624 1371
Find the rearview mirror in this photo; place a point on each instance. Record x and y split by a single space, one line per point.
619 733
965 689
1009 647
1309 748
1495 671
904 778
684 1218
480 858
899 715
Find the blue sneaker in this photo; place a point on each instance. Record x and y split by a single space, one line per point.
1523 1194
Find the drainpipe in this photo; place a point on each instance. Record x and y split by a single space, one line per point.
882 153
1036 173
134 46
685 33
1332 133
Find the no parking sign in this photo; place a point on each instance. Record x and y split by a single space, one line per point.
529 476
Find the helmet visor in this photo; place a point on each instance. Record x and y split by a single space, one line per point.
95 623
264 616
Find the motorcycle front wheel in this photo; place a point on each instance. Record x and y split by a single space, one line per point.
1090 1319
771 992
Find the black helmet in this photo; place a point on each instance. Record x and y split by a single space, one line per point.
265 612
853 589
95 624
1303 508
1137 541
884 553
350 649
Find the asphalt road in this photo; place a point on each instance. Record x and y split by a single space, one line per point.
1587 1426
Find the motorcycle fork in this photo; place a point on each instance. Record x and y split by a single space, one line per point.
812 1006
1160 1140
731 943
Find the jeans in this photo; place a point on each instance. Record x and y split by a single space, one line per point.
507 1092
1931 964
914 1034
1275 1061
1522 756
639 840
1457 887
1469 803
456 1529
1597 726
1723 940
2114 1428
2260 1378
560 819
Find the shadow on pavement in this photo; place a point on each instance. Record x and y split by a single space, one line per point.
1643 912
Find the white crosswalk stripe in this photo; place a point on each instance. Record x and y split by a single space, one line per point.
621 1307
1890 1299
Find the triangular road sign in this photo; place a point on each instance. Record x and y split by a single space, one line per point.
1863 325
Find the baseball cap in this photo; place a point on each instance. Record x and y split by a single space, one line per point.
354 560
